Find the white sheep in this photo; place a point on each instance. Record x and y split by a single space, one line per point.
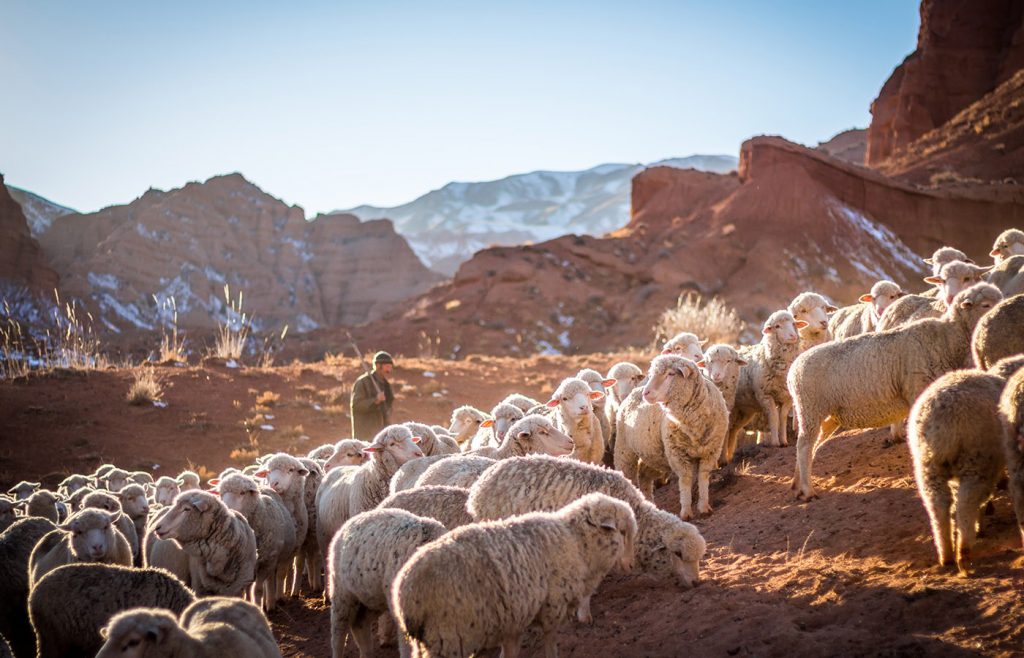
574 415
409 473
446 505
627 376
115 480
812 309
458 471
602 384
1009 243
166 489
365 557
286 475
188 480
873 379
675 424
492 431
44 504
862 318
321 453
308 559
530 435
73 483
1011 413
953 277
524 403
999 334
1008 276
135 506
219 542
110 502
466 421
686 345
944 255
23 490
504 576
165 554
430 442
88 536
347 452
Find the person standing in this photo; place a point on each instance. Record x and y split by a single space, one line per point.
372 399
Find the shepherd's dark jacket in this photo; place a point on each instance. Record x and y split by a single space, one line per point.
368 417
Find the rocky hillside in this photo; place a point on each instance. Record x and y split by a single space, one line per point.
189 243
447 226
39 212
21 262
849 145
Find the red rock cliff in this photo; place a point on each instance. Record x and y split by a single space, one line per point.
21 260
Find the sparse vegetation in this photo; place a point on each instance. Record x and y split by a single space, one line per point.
713 320
145 388
267 399
233 332
172 345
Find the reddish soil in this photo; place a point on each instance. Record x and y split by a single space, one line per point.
850 574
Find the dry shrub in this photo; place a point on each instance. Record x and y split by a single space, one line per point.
336 395
712 320
244 455
145 388
233 332
267 399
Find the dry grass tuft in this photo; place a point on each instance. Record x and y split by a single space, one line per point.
145 388
712 320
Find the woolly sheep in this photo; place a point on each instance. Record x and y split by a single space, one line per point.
955 277
308 559
944 255
493 593
722 364
872 380
1011 413
685 344
574 415
675 424
862 318
88 536
347 452
321 453
43 504
74 501
287 477
955 442
459 471
16 544
115 480
761 388
70 605
1009 243
446 505
365 557
1008 276
430 443
667 547
409 473
8 515
492 431
140 477
135 506
531 434
600 383
349 490
165 554
107 501
952 278
188 480
213 627
166 490
101 472
73 483
466 421
812 309
523 402
219 542
273 527
1000 333
23 490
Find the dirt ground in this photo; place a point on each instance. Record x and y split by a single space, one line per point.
850 574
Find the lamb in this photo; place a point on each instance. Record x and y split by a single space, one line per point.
686 345
872 380
308 559
70 605
466 421
675 424
188 480
952 278
220 544
165 554
210 628
559 559
73 483
430 443
1009 243
862 318
111 503
8 515
459 471
365 558
599 382
813 310
446 505
523 402
956 437
492 431
101 472
1008 276
349 490
166 490
574 415
761 388
135 507
667 547
999 334
273 527
16 544
114 480
287 477
1011 413
23 490
88 536
627 376
347 452
722 364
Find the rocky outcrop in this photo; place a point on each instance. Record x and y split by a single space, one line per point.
190 242
39 212
21 261
850 145
964 51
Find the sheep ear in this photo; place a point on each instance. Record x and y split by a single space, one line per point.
666 351
702 364
971 261
201 504
522 436
929 261
684 371
596 395
415 439
553 402
740 360
994 252
262 473
489 422
935 280
609 382
305 471
866 298
214 482
372 449
800 324
831 309
766 329
966 303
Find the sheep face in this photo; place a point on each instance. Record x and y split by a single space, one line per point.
672 548
504 415
882 295
102 500
397 442
166 491
686 345
575 398
722 363
136 634
812 308
666 373
133 501
239 492
945 255
969 305
191 512
465 422
540 435
783 327
188 481
116 480
74 483
23 490
348 452
321 453
1009 243
7 513
627 376
955 277
284 473
92 534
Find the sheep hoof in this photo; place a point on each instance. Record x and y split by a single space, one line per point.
808 495
686 515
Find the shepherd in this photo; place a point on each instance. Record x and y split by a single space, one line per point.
372 399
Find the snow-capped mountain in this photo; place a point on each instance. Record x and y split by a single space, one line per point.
447 226
39 212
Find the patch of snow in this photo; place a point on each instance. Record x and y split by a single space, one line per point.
563 339
269 416
103 280
160 404
267 428
547 349
127 312
304 323
231 364
427 373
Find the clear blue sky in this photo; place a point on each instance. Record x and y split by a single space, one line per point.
333 104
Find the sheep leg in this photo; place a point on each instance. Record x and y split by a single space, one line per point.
583 611
771 413
361 626
704 468
938 502
510 647
970 496
784 423
626 461
550 643
645 480
1015 468
685 471
385 630
738 425
300 569
812 431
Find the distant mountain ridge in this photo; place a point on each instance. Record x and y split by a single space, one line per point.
39 212
445 227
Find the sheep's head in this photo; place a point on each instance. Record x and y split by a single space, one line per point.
102 500
284 473
882 295
427 437
347 452
466 421
782 327
92 534
627 376
190 514
685 344
133 501
1009 243
598 382
238 491
137 633
396 443
166 490
140 477
322 453
813 309
615 523
669 547
667 372
537 434
23 490
8 511
945 255
502 417
188 480
575 398
722 363
73 483
969 305
954 277
116 480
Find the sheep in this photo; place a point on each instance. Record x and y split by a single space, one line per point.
409 473
135 507
349 490
722 364
944 255
506 575
627 376
74 501
347 452
873 379
1008 276
955 441
1011 414
140 477
675 424
70 605
599 382
951 279
322 453
188 480
685 344
459 471
273 527
16 544
365 558
812 309
165 554
761 388
492 431
213 627
220 544
115 480
43 504
667 547
73 483
308 559
23 490
287 476
1009 243
532 434
430 443
465 423
166 490
523 402
999 334
862 318
446 505
88 536
101 472
574 415
111 503
8 514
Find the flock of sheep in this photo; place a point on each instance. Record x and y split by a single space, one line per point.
457 539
